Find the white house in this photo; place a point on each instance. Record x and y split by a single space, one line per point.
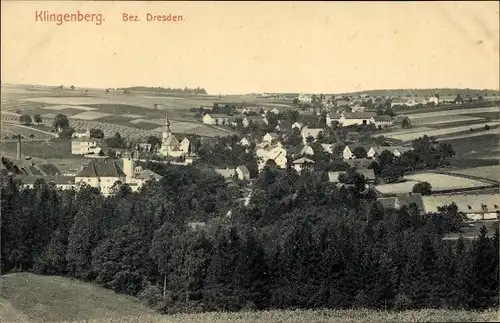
85 146
348 152
270 137
245 142
185 143
331 117
305 98
399 150
80 134
310 132
434 100
382 121
328 148
242 172
302 162
275 111
215 119
276 153
307 150
356 118
248 120
297 125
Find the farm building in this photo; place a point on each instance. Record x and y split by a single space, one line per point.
328 148
85 146
401 200
215 119
348 152
297 125
356 118
245 141
307 150
333 117
382 121
302 162
270 137
276 153
310 132
476 207
242 172
248 120
80 134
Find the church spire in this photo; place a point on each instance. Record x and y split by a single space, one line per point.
167 125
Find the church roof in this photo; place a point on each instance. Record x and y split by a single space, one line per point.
171 140
102 168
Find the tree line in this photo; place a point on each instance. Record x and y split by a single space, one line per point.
302 242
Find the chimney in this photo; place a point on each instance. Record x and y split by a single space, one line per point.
19 147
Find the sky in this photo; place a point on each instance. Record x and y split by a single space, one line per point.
254 47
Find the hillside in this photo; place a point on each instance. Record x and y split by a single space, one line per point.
426 92
31 298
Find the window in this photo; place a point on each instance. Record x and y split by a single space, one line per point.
469 207
495 206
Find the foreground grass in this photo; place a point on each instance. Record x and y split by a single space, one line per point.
28 298
317 316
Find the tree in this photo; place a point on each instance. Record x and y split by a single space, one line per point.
406 123
359 152
60 121
37 118
423 188
66 133
96 133
154 141
25 119
72 87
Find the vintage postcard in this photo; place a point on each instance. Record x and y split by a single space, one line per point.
253 161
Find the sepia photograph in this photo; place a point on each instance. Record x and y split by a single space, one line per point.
249 161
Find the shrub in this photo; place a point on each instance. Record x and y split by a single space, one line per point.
402 302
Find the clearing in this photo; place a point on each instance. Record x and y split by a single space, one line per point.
488 172
441 182
26 297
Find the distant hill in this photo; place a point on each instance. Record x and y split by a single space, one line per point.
31 298
426 92
163 90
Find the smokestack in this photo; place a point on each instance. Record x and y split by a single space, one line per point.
19 148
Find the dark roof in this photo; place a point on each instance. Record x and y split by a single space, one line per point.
102 168
382 118
368 173
359 162
55 179
407 199
359 115
49 170
387 202
244 170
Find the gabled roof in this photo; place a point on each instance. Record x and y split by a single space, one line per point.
171 141
359 115
401 149
306 131
49 169
367 173
388 202
55 179
303 160
244 170
467 203
273 135
407 199
216 115
225 172
382 118
333 177
327 147
102 168
148 174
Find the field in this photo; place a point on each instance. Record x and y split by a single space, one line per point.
408 136
438 182
450 112
489 172
484 146
9 129
28 298
54 148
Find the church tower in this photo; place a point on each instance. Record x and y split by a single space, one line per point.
167 132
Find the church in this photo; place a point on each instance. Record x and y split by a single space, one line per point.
170 146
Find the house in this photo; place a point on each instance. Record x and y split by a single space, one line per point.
307 150
85 146
80 133
302 162
397 102
276 153
458 100
348 152
356 118
358 163
382 121
401 200
227 173
433 99
305 98
101 174
275 111
369 174
61 182
185 145
242 172
333 177
270 137
245 142
248 120
310 132
333 117
374 151
215 119
399 150
297 125
328 148
475 206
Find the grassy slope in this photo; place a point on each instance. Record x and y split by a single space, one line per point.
30 298
319 316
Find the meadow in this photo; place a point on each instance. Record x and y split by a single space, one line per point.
29 298
438 132
54 148
488 172
445 182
